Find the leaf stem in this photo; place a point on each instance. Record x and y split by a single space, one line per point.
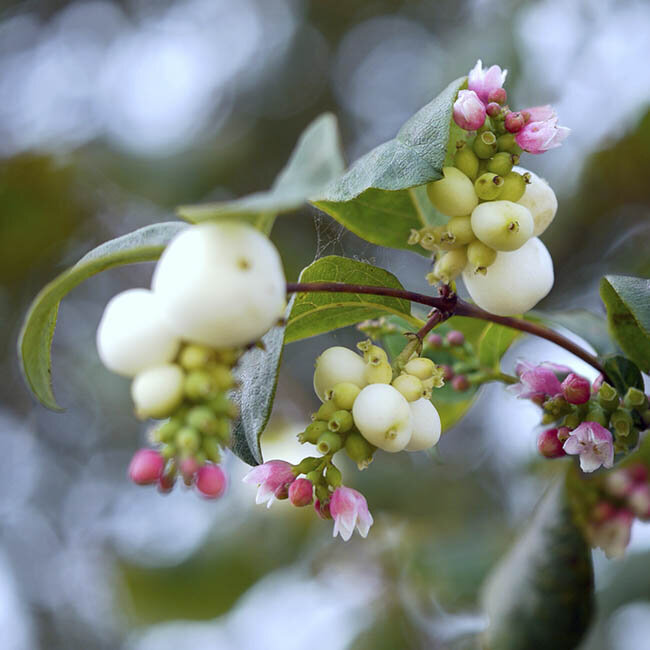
448 305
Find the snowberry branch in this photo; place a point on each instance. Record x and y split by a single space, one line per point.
448 305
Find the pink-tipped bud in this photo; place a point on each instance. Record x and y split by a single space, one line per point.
639 501
598 382
189 467
493 109
576 389
455 338
322 510
146 466
618 483
497 96
460 383
637 472
469 111
301 492
282 492
166 483
514 122
211 481
447 372
563 434
434 340
602 512
549 445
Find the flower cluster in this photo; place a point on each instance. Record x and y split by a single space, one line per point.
496 209
216 289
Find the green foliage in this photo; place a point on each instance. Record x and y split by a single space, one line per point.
315 161
493 344
628 314
320 312
35 340
379 198
541 594
623 373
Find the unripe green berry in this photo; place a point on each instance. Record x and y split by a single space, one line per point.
188 440
488 186
313 432
501 163
315 476
595 413
410 386
203 419
635 399
307 465
168 451
166 431
430 237
467 161
454 194
359 449
621 421
340 422
459 229
514 187
450 265
333 476
380 374
326 411
344 394
485 145
608 396
372 354
221 376
507 142
502 225
199 386
480 256
322 493
211 449
420 367
329 442
222 406
194 356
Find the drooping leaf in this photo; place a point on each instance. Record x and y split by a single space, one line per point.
380 197
315 161
493 344
628 313
35 340
541 593
257 375
623 373
587 325
319 312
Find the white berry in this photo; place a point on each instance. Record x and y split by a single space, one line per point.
132 334
540 199
335 366
383 417
158 391
502 225
426 425
515 282
220 284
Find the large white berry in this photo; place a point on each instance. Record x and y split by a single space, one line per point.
515 282
335 366
426 425
158 391
220 284
133 335
383 417
502 225
540 199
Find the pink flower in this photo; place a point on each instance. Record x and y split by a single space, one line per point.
639 501
484 82
541 132
537 382
613 534
598 382
301 492
349 509
211 481
593 443
146 466
271 477
549 444
576 389
469 111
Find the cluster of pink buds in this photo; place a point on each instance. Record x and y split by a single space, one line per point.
535 129
148 467
454 342
277 479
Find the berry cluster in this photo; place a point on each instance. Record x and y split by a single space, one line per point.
216 289
497 210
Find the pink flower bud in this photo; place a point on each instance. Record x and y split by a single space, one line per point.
598 382
301 492
602 512
460 383
469 111
322 510
497 96
563 434
618 483
613 534
576 389
637 472
541 132
484 82
549 444
455 338
639 501
188 467
493 109
211 481
349 510
166 483
434 340
146 466
514 122
447 372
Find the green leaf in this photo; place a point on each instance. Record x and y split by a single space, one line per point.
315 161
623 373
379 198
35 340
320 312
493 344
628 313
587 325
257 374
541 594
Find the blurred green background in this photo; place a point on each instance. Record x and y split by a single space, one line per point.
111 114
